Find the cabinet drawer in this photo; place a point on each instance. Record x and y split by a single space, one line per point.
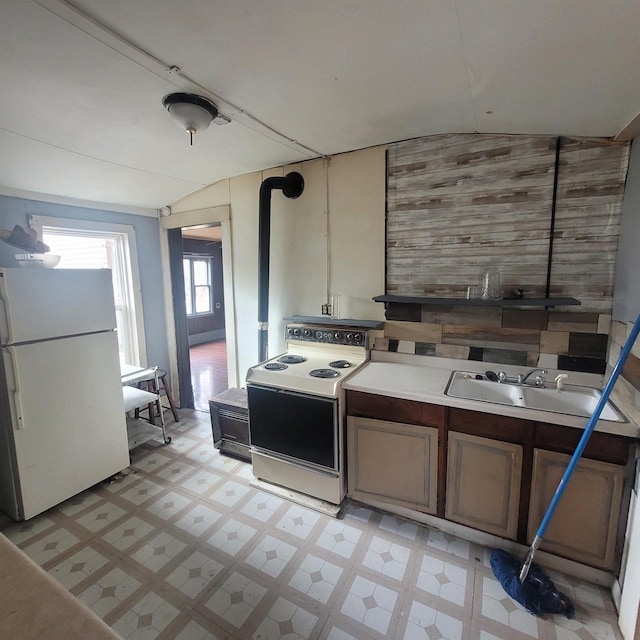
489 425
369 405
601 446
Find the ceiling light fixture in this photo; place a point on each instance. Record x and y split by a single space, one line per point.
190 112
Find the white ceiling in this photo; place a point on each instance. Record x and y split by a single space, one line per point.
82 83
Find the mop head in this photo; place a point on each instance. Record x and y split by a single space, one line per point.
537 594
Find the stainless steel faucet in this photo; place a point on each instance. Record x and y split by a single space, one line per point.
539 381
522 378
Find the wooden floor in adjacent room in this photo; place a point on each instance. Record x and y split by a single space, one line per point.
208 372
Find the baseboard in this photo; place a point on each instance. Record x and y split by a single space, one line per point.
208 336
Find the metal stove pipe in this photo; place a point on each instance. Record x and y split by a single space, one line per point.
292 186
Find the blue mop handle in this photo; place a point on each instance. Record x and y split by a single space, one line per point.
588 430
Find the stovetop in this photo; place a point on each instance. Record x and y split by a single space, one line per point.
318 359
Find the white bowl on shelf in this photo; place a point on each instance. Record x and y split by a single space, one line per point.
45 260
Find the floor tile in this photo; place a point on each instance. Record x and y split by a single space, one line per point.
201 482
193 631
146 619
316 578
298 521
141 492
443 579
261 506
77 567
426 623
79 503
370 604
236 599
176 471
128 533
387 558
167 505
400 527
287 621
271 556
197 520
194 574
158 551
101 516
52 545
498 606
449 544
339 538
232 537
109 591
229 494
21 532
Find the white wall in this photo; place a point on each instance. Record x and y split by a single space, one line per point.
329 240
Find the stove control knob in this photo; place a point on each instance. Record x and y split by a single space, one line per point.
318 335
337 335
357 337
349 337
307 333
289 331
296 332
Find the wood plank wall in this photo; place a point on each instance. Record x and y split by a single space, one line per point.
461 204
591 179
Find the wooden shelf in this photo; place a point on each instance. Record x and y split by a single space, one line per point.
478 302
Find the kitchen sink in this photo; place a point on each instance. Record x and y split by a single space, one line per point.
571 400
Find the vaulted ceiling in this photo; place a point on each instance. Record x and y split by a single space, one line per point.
81 83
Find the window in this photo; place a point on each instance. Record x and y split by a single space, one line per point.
197 284
95 245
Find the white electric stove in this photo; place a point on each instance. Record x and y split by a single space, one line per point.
296 409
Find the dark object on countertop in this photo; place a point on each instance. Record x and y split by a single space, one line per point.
515 294
491 375
479 376
26 240
537 594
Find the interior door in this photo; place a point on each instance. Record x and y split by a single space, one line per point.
69 429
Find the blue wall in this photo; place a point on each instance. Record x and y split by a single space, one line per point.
17 210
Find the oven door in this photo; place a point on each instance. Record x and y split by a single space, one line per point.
294 425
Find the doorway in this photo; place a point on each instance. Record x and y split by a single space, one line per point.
200 311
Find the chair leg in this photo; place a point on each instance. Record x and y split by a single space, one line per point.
167 390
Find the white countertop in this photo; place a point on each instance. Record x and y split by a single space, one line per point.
424 379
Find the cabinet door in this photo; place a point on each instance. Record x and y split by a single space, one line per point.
393 462
483 483
585 523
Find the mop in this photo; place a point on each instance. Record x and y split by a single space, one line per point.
527 584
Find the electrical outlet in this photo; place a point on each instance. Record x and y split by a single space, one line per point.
326 309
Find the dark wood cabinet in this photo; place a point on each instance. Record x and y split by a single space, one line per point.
511 464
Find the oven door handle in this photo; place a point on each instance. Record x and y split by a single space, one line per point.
299 463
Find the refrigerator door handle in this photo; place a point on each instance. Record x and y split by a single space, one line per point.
6 330
17 399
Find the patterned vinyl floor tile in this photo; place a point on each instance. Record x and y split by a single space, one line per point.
180 546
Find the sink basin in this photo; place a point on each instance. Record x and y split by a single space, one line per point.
464 385
571 400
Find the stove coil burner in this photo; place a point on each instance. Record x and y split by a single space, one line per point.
324 373
275 366
292 359
340 364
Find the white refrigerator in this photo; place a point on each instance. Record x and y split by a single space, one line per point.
62 419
